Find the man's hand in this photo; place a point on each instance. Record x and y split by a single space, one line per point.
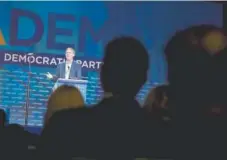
49 76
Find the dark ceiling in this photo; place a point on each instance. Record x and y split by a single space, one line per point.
222 2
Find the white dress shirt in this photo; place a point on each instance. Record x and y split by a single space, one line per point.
67 70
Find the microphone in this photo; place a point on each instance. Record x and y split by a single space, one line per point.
27 104
30 54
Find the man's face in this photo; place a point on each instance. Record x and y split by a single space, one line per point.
69 54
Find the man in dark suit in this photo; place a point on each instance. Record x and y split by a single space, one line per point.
114 128
68 69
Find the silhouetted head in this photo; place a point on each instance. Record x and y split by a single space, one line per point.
64 97
197 66
156 103
157 98
190 54
125 66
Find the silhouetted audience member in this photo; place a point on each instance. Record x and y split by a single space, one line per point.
17 142
115 128
64 97
156 104
193 68
196 60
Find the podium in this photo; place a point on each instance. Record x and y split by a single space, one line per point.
80 84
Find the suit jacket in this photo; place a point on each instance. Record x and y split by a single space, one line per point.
75 71
115 128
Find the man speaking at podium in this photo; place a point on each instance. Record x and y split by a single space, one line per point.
68 69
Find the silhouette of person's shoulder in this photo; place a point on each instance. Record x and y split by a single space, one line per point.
69 116
68 123
12 128
72 111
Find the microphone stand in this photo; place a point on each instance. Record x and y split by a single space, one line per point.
28 90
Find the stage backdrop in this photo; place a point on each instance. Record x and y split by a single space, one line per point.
47 28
